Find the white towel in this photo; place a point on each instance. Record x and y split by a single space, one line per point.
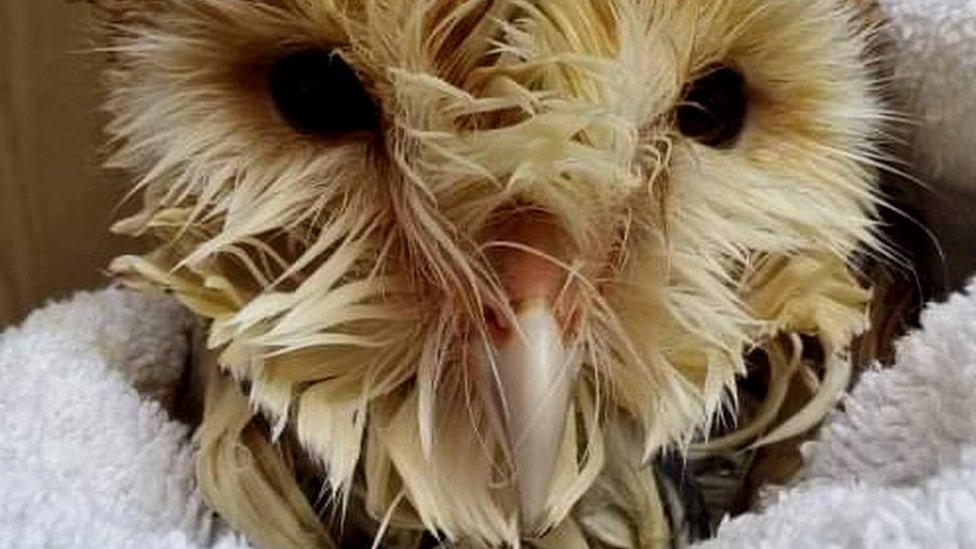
935 77
86 459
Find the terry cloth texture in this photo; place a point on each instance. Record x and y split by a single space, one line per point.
935 75
88 456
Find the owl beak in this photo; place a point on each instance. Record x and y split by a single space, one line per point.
534 374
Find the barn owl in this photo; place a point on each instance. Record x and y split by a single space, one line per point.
467 266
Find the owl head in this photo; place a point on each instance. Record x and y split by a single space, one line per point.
482 259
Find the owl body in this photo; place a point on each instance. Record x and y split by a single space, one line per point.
474 263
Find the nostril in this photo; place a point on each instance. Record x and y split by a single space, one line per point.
498 328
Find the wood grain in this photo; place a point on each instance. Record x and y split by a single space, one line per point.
55 202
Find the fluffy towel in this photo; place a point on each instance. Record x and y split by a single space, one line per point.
86 458
935 75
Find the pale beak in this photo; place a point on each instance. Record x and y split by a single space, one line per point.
535 375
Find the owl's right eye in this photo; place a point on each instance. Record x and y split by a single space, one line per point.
317 92
713 111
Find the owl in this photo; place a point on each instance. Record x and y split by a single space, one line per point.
467 267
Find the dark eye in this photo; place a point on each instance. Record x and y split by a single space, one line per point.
713 111
316 91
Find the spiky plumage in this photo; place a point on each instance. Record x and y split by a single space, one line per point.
345 279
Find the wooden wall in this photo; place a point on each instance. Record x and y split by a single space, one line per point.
55 203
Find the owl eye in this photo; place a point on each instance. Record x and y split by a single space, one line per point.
316 91
713 111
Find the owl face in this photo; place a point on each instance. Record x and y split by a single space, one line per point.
486 257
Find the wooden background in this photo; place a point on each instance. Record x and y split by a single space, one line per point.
55 203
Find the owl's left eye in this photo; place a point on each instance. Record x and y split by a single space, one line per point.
317 92
714 108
